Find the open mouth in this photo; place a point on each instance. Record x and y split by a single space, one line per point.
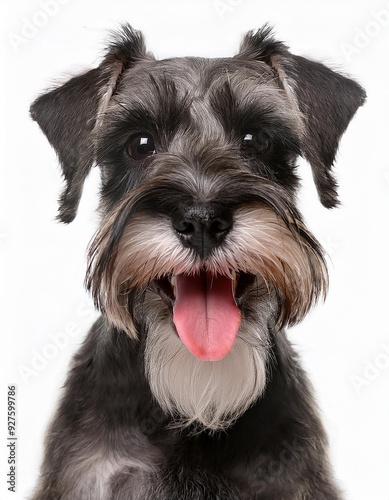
206 311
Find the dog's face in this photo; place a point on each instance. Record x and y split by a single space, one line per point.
201 253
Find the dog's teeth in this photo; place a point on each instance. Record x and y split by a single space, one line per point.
173 282
234 282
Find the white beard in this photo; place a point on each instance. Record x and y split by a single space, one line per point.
212 393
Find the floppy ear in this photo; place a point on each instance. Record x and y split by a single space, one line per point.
327 101
69 114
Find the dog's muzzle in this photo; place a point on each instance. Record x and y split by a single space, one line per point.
205 312
208 260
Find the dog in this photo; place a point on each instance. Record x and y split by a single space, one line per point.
187 387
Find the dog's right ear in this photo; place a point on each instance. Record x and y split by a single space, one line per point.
69 115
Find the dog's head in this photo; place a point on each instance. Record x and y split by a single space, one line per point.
201 250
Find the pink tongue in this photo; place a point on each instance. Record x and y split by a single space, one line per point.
205 315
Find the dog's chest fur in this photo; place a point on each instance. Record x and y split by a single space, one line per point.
130 452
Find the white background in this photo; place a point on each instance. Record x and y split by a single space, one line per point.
344 344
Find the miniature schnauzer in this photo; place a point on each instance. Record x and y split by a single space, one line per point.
187 386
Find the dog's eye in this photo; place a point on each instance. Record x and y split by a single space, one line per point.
255 143
141 146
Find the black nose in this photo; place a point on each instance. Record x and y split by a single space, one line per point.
202 227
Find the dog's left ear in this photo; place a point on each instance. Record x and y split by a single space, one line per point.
326 100
69 114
